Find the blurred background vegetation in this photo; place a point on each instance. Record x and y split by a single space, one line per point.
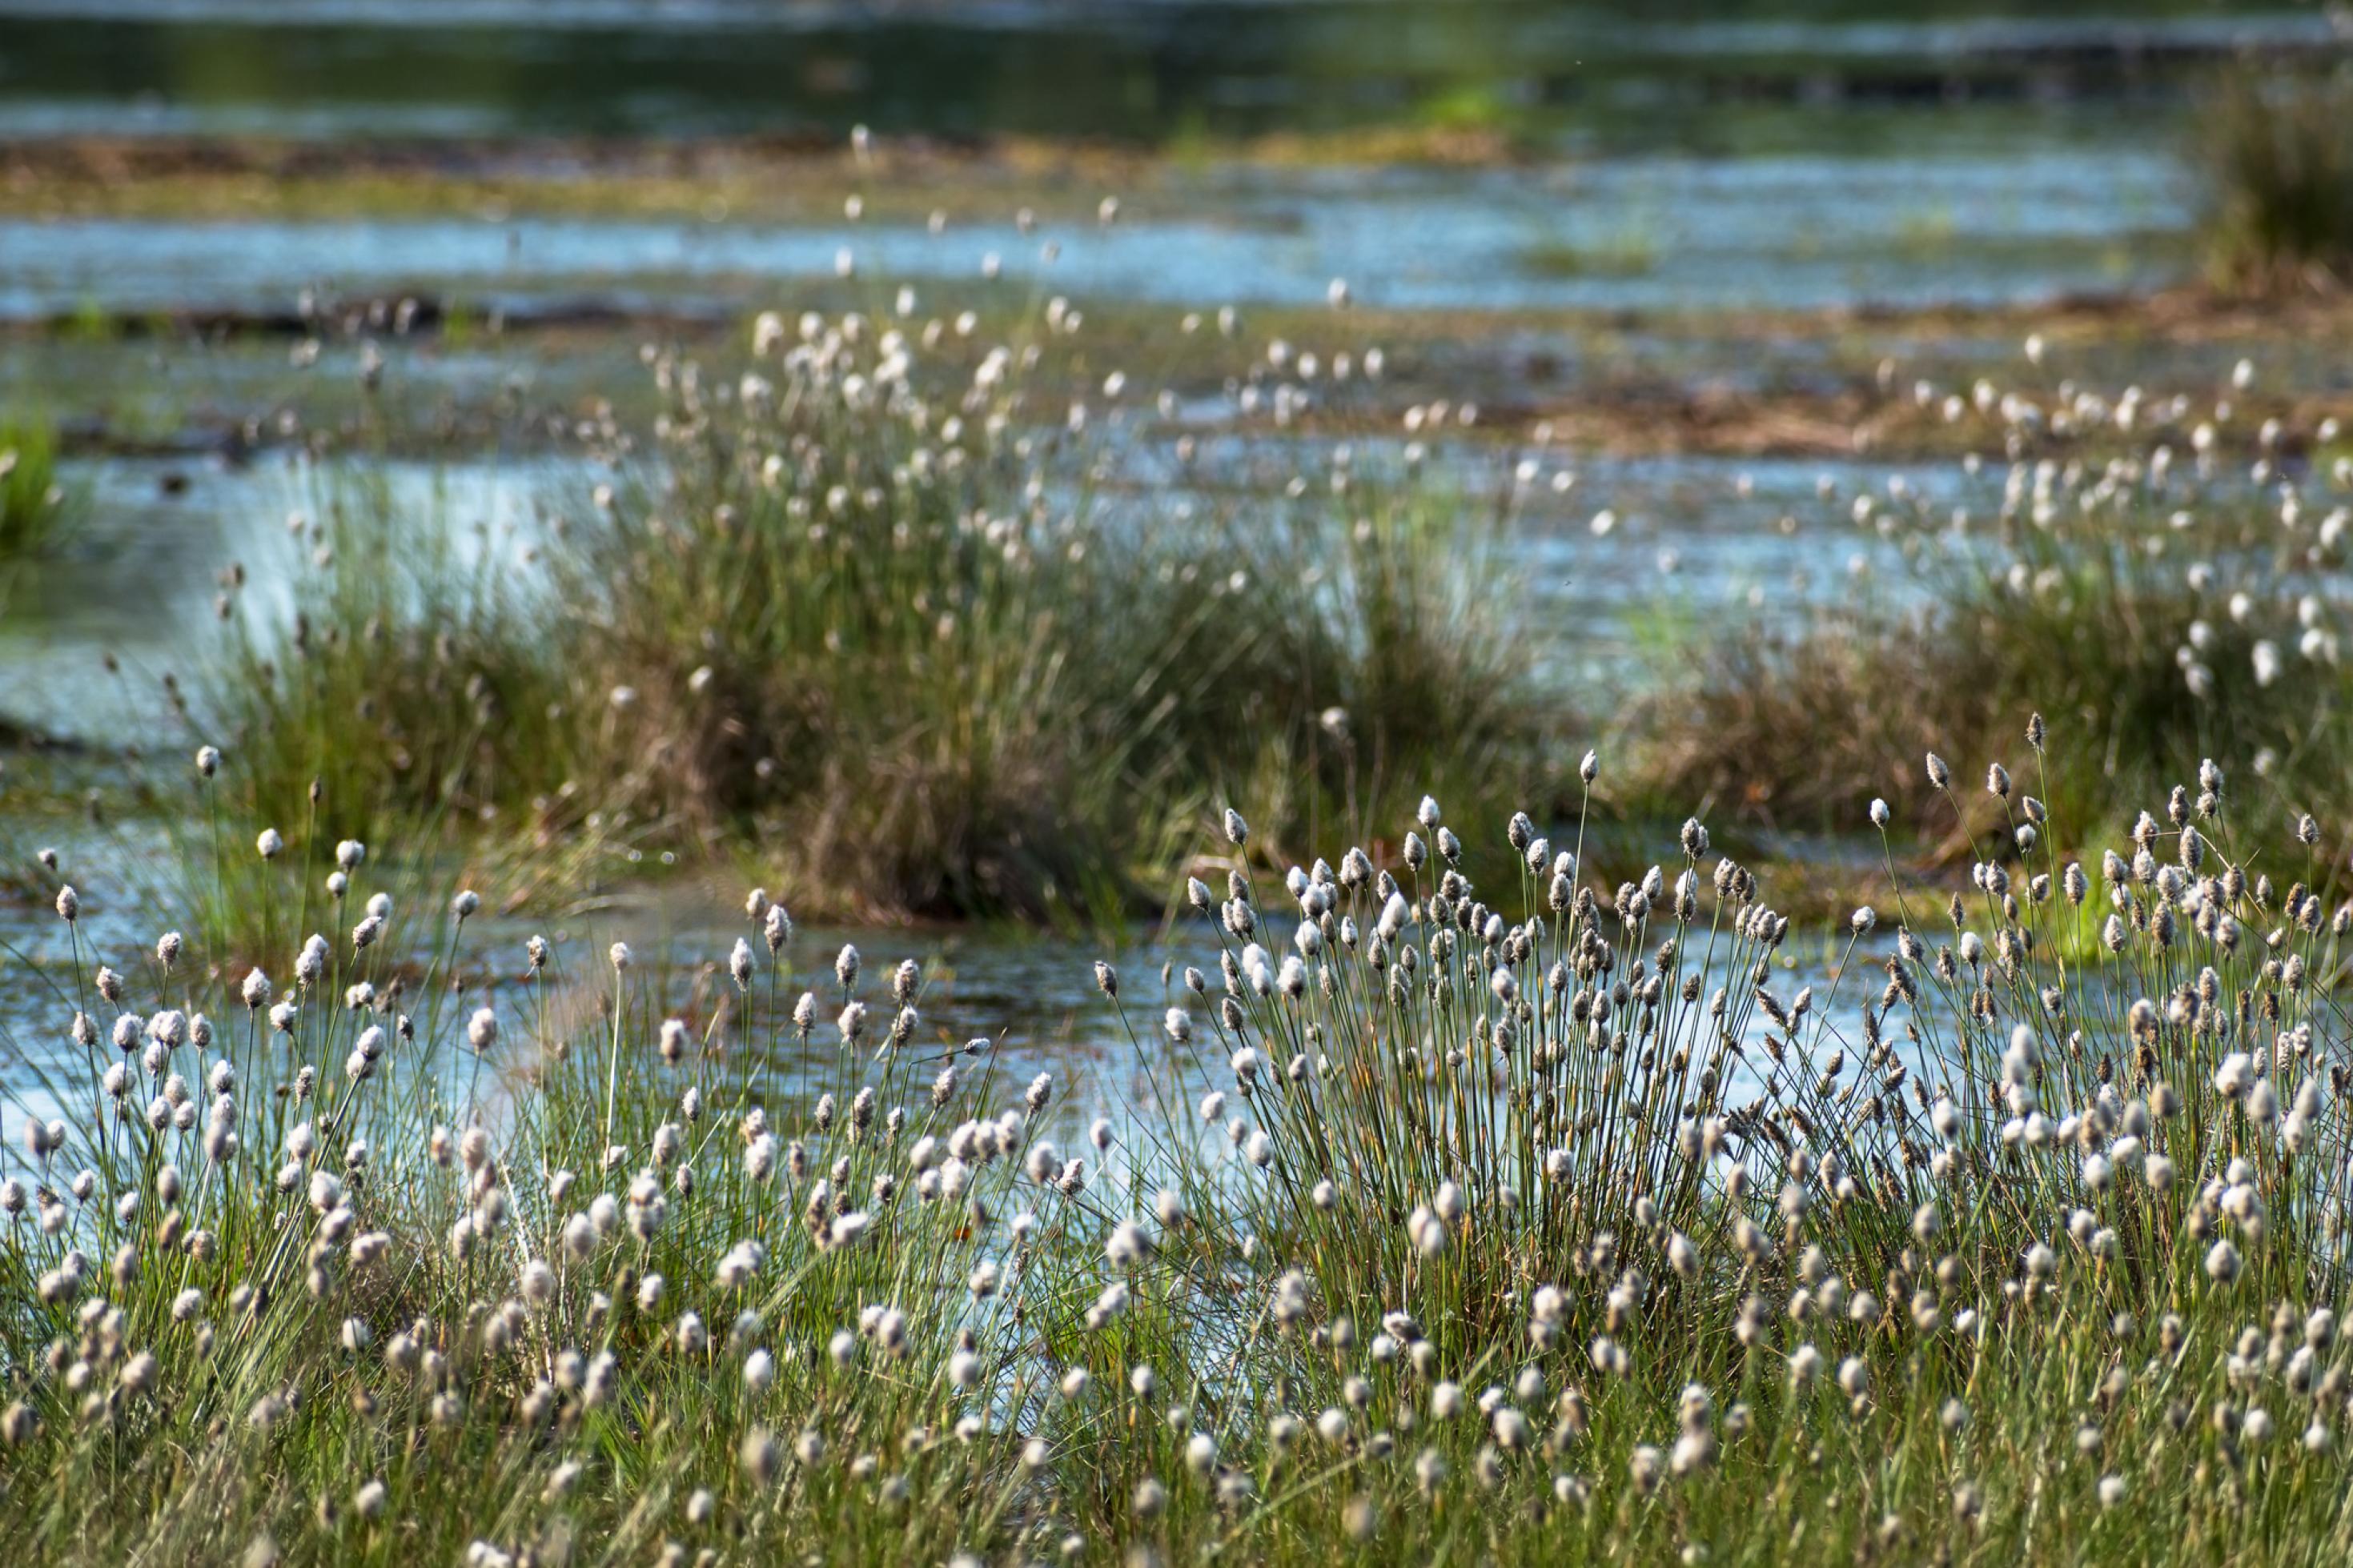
1167 72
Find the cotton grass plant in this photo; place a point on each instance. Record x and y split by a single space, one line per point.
1583 1218
921 589
382 672
874 596
2162 573
1571 1224
2278 163
1391 649
417 1246
839 606
391 663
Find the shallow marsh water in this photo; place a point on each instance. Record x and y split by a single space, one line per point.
1671 232
1793 161
1030 1000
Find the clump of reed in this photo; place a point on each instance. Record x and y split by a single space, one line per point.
2277 152
1451 1220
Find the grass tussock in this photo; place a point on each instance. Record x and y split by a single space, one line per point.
2278 154
1802 731
391 669
2154 594
868 601
861 604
